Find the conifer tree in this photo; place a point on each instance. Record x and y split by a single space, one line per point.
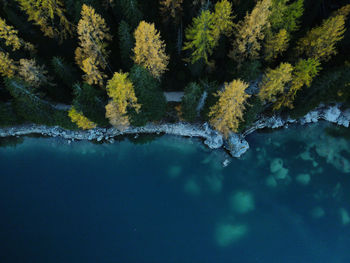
131 11
171 8
149 49
286 16
250 31
223 18
80 120
46 13
8 66
276 44
201 37
304 72
274 82
32 73
121 91
126 43
227 113
319 43
92 54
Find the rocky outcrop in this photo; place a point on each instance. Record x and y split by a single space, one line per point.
236 144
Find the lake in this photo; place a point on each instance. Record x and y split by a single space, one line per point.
170 199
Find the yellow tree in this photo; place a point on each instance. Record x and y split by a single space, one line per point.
80 120
171 8
49 15
319 43
223 18
227 113
121 91
276 44
304 72
10 35
8 66
91 54
149 49
32 73
274 82
249 32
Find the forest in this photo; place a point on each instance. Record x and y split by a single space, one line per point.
81 64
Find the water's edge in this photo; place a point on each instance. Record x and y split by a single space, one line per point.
235 143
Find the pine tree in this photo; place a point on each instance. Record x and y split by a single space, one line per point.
121 91
171 8
32 73
131 11
189 103
8 66
304 72
126 43
250 32
227 113
149 49
80 120
274 82
319 43
201 37
276 44
92 54
64 70
46 13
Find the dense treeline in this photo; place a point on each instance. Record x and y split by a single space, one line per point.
112 60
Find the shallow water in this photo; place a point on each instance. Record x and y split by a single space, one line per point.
171 200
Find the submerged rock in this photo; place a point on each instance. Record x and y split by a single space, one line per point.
344 216
242 202
303 179
276 165
192 187
317 212
226 234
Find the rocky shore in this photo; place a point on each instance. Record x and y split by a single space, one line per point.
236 144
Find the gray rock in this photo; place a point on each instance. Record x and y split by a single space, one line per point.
236 145
332 114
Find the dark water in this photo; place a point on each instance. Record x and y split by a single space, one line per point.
171 200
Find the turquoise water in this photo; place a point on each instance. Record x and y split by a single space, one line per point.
171 200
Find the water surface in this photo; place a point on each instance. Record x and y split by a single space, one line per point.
172 200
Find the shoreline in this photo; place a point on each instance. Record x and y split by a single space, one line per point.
236 144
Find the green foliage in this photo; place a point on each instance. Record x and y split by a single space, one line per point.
64 70
149 96
211 88
249 71
130 11
286 16
193 94
8 116
30 107
251 114
126 43
91 102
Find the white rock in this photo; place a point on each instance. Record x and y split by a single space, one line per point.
332 114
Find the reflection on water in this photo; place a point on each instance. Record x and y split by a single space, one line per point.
172 200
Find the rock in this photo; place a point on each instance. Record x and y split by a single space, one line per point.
344 119
332 114
281 174
303 179
226 163
236 145
317 212
312 116
242 202
271 181
226 234
276 165
344 216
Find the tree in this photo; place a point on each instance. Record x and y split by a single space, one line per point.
80 120
276 44
149 96
91 54
226 114
149 49
274 82
223 18
130 11
285 16
189 104
32 73
8 66
10 35
319 43
46 14
171 8
201 37
304 72
121 91
126 43
249 32
64 70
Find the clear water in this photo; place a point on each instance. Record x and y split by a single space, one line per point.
171 200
